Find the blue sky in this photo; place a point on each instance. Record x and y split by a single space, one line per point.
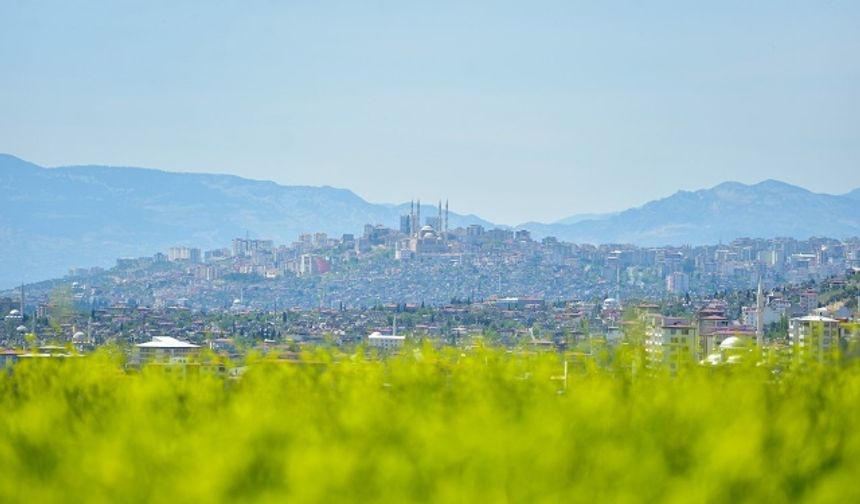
513 110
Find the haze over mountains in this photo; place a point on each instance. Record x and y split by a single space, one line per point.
52 219
56 218
720 214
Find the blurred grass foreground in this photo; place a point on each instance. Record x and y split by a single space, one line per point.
428 425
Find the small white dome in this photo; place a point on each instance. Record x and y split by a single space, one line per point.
611 304
21 328
732 342
79 336
14 313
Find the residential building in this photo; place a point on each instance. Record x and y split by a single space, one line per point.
671 343
189 254
814 337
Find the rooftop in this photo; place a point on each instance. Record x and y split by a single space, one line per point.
166 342
816 318
379 336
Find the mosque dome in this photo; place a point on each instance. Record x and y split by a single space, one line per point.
79 337
732 343
427 232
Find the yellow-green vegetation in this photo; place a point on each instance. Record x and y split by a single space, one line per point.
431 426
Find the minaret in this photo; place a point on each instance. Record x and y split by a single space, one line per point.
418 223
439 222
759 316
22 301
412 218
446 220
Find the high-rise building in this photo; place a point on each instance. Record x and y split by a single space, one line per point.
310 264
671 343
320 240
406 224
474 230
808 301
814 337
251 248
677 283
183 254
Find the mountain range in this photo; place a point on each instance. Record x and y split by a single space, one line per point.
720 214
52 219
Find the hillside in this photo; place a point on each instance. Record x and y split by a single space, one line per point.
722 213
56 218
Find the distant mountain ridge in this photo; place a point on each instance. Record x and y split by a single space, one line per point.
722 213
57 218
573 219
52 219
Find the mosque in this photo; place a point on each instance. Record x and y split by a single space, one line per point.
432 238
738 345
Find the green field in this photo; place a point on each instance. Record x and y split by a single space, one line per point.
433 426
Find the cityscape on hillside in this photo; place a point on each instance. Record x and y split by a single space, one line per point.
427 262
445 285
90 215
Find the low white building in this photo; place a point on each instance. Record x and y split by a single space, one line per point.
385 341
164 350
770 315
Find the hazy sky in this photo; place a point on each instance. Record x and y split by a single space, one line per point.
515 111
